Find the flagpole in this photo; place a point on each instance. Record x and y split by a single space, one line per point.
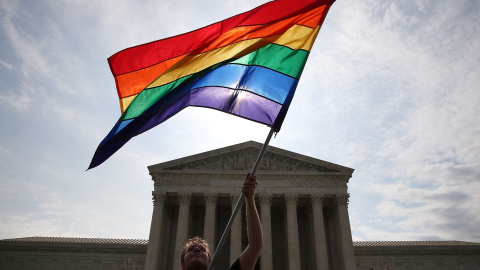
240 201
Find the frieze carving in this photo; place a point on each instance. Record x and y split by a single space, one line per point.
179 181
166 178
203 182
230 180
297 183
322 183
244 160
188 179
166 182
310 184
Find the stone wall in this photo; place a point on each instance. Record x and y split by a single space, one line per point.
417 255
52 253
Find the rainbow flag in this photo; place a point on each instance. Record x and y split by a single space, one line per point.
248 65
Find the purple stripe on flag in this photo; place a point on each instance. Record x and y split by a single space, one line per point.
238 102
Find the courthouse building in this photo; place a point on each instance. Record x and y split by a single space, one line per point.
303 207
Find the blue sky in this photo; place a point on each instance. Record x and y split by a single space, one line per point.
391 89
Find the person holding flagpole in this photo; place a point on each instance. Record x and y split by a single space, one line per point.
196 255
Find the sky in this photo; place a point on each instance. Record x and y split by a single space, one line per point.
391 89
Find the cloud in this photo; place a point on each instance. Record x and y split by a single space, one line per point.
6 65
3 150
19 100
390 89
422 108
67 206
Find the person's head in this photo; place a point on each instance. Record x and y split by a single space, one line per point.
195 252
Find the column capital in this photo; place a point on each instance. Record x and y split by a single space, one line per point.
184 197
158 197
317 199
265 198
234 197
290 199
210 198
342 199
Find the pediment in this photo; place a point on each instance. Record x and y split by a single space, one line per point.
242 157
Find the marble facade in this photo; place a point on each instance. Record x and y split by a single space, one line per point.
302 203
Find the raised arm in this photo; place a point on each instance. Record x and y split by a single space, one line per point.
250 255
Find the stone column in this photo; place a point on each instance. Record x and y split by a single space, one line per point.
152 261
345 231
292 232
321 254
209 225
236 231
266 261
182 228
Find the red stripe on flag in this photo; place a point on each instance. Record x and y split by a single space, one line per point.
149 54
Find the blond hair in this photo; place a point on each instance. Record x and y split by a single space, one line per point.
195 240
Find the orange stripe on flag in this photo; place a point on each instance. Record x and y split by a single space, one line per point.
132 83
